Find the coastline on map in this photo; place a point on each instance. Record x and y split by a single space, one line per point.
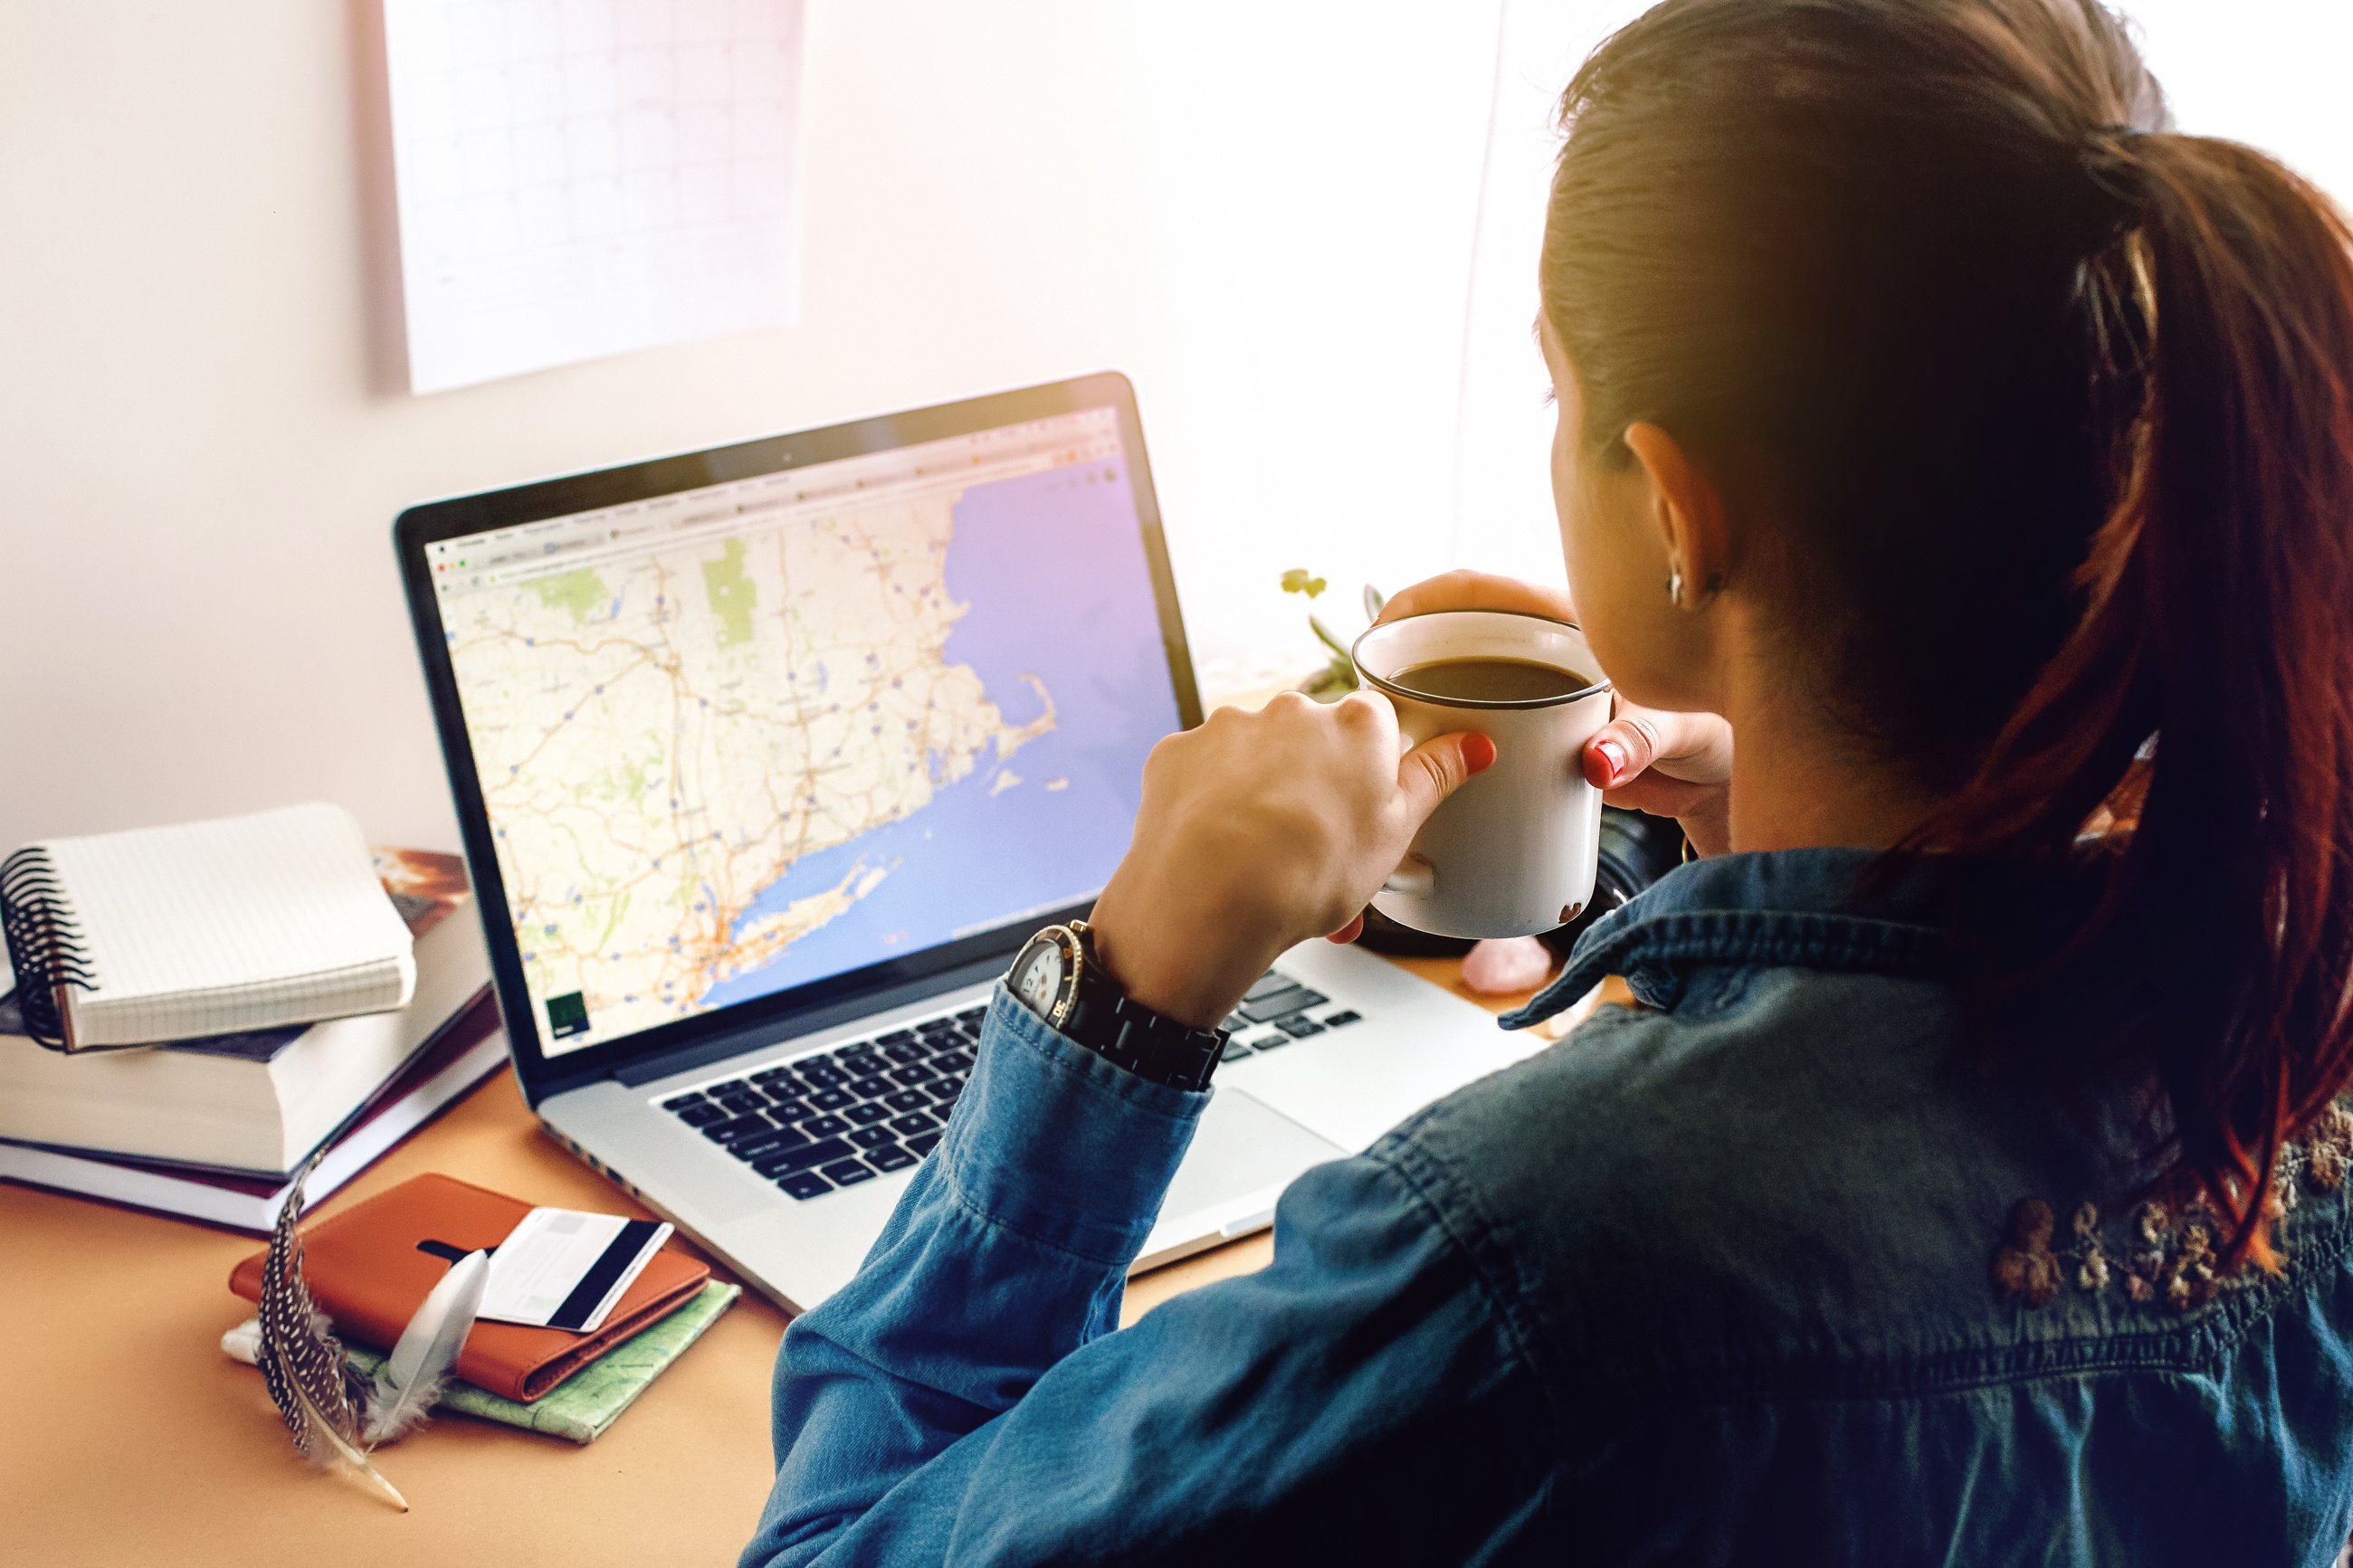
1075 663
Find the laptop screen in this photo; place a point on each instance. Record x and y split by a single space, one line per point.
737 739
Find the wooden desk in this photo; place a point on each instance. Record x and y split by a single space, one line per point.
127 1438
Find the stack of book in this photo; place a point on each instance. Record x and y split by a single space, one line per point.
195 1010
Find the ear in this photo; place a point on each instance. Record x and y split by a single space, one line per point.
1688 509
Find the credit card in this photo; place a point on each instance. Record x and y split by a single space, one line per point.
562 1268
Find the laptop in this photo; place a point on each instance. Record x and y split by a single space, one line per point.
768 758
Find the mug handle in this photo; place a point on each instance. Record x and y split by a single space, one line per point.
1415 877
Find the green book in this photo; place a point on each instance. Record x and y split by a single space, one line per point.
579 1408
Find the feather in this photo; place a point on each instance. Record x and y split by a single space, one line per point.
329 1448
407 1384
317 1390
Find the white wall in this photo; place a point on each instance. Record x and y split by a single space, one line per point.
1289 221
1266 219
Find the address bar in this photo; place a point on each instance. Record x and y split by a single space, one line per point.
553 559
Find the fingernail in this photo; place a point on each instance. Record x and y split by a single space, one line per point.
1478 753
1613 757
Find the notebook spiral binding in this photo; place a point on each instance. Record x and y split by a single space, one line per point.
45 946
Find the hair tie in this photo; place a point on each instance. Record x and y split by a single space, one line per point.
2107 159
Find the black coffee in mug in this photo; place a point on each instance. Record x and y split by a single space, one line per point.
1489 680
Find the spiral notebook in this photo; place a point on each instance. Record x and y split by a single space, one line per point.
208 928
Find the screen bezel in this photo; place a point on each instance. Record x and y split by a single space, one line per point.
771 1016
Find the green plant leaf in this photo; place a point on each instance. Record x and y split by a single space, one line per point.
1298 581
1333 643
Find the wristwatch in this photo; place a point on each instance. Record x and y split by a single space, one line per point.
1057 977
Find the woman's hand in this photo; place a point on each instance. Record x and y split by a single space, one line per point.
1260 830
1646 758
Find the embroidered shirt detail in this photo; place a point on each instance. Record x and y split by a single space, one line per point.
2169 1248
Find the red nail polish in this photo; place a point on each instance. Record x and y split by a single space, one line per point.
1478 753
1613 759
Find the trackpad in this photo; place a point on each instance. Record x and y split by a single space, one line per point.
1240 1148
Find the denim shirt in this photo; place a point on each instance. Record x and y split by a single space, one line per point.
1767 1269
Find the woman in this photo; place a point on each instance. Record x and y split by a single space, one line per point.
1969 1185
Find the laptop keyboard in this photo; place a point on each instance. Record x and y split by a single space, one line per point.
814 1124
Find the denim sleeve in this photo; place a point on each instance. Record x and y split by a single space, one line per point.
966 1398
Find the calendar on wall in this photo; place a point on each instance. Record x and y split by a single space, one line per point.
579 178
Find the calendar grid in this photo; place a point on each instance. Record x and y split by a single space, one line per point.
585 178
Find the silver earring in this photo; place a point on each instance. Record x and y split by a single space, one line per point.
1676 587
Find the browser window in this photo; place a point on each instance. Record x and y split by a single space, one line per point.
741 738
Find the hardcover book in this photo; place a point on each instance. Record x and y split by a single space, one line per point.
261 1101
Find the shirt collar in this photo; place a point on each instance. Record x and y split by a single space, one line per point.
1832 908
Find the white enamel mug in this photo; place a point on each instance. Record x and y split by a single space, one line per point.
1512 852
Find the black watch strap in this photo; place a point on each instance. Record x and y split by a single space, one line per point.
1126 1033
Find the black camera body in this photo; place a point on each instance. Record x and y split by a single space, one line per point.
1637 849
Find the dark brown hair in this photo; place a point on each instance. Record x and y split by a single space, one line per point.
2040 413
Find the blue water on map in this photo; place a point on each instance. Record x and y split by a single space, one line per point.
1053 567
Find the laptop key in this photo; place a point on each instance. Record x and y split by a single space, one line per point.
972 1014
904 1051
914 1121
766 1143
923 1142
1270 1040
866 1112
680 1102
745 1103
805 1184
1267 984
1341 1020
733 1086
781 1162
907 1100
895 1038
805 1156
860 1067
1235 1051
911 1074
787 1108
952 1061
1300 1027
873 1088
767 1076
891 1157
1275 1004
830 1099
702 1114
737 1127
849 1173
825 1126
872 1137
823 1075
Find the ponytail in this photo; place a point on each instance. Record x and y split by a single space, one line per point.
2041 435
2208 690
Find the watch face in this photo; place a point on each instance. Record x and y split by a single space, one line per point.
1037 976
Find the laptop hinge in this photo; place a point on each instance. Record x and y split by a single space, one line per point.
774 1031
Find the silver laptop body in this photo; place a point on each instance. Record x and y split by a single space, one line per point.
768 758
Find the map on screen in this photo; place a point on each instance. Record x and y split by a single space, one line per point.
742 738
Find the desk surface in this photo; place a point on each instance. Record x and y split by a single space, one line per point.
129 1437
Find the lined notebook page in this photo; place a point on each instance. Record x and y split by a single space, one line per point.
245 923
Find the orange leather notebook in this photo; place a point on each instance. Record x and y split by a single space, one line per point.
369 1273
